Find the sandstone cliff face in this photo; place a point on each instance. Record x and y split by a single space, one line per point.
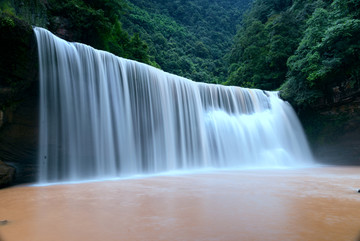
18 97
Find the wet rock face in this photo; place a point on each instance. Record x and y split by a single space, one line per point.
334 132
7 174
19 136
18 99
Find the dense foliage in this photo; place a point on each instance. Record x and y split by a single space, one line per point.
97 23
93 22
328 53
302 47
187 37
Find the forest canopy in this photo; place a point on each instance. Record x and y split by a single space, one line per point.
303 48
187 38
93 22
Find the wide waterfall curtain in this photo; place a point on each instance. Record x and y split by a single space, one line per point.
104 116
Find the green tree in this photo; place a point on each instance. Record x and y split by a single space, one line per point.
97 23
199 31
138 49
328 54
268 36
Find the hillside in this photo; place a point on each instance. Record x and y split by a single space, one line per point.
187 38
183 37
309 50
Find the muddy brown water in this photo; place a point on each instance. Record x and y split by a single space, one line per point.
297 204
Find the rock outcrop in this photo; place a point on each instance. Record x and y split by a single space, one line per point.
18 97
333 125
7 174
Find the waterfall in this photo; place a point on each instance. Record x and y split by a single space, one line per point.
104 116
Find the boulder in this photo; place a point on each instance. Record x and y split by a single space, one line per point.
7 174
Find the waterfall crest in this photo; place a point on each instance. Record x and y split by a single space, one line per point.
104 116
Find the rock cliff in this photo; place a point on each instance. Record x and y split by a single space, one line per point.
333 125
18 97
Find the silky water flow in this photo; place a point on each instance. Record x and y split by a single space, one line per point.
102 116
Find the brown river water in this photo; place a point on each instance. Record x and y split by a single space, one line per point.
296 204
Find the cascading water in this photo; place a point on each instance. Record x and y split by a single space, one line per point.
104 116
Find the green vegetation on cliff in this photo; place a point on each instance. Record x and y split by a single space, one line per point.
305 48
328 53
96 23
93 22
187 37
